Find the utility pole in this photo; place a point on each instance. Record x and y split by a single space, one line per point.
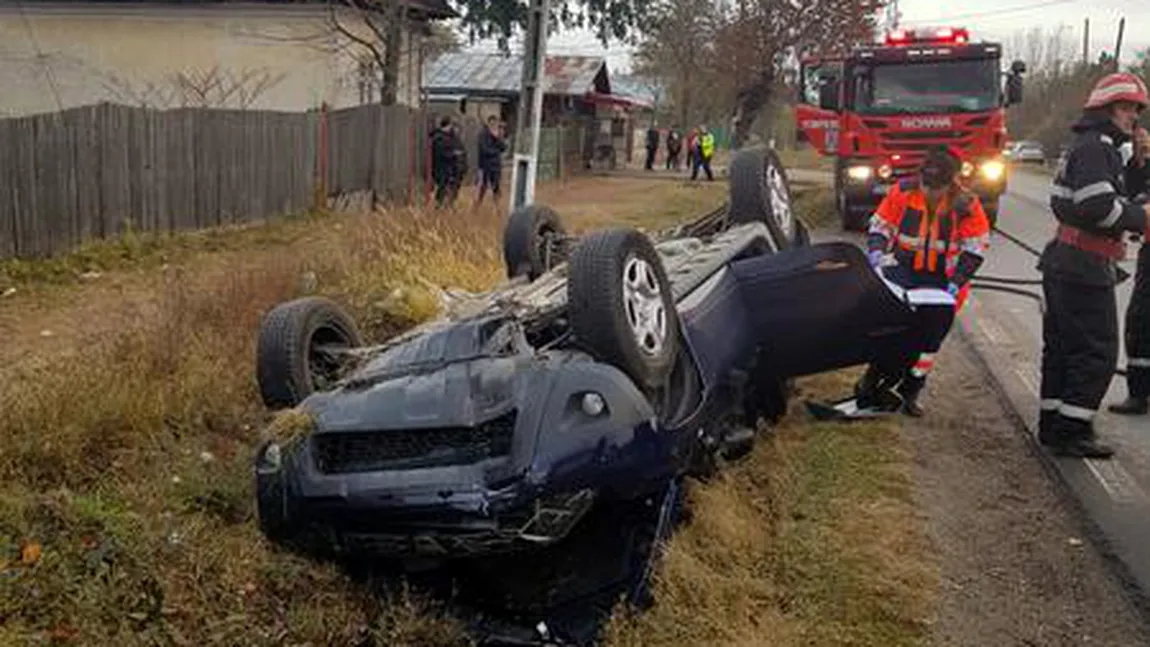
1086 43
1118 46
530 116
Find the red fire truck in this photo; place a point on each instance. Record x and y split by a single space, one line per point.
877 109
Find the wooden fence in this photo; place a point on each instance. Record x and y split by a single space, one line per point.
94 171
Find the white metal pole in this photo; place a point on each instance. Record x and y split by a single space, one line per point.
530 115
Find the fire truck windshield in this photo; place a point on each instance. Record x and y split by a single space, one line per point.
935 86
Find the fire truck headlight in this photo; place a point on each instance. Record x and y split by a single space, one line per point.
859 173
885 171
992 170
967 169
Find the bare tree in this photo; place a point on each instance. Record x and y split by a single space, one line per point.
376 28
218 88
678 51
759 38
192 88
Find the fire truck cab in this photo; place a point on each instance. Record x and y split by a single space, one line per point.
877 109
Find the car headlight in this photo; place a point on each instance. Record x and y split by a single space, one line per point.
992 170
271 459
593 404
859 172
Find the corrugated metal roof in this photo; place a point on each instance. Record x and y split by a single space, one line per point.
499 74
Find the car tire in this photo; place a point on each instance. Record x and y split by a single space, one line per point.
526 238
289 353
621 307
760 191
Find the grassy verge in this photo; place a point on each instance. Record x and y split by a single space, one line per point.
814 540
125 497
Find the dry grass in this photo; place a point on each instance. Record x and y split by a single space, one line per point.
813 540
126 511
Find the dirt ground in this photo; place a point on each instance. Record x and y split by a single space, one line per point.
1017 568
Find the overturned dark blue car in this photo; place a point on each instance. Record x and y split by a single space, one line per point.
607 367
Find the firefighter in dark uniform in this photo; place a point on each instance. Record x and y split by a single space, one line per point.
1137 401
938 234
1090 200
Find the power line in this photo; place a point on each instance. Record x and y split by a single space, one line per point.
992 12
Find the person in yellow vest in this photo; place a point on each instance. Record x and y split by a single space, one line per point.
705 143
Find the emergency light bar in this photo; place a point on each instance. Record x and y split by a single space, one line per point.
940 35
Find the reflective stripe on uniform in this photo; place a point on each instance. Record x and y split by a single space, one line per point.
1050 404
1085 193
1077 413
1139 362
923 366
1115 213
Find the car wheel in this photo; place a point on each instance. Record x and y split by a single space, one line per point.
760 191
533 242
621 307
298 351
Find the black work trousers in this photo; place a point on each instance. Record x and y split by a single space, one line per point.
1138 328
1079 351
932 323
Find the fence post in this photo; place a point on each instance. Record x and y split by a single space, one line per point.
320 195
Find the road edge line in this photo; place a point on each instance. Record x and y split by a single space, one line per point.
1136 594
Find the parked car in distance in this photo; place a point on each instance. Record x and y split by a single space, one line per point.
1029 152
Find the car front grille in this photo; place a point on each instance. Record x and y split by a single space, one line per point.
392 449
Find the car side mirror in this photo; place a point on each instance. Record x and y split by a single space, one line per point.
1014 83
1013 89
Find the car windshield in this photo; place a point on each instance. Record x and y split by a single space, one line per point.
937 86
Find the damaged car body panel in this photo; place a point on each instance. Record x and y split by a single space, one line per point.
442 437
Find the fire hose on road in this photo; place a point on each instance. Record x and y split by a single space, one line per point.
1003 284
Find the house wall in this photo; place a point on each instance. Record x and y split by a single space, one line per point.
85 53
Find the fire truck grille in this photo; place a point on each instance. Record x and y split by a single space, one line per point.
915 144
391 449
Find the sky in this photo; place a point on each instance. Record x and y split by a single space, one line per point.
986 19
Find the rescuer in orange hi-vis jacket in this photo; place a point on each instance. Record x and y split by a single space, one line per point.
928 237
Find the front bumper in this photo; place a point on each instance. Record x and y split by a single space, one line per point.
451 514
529 492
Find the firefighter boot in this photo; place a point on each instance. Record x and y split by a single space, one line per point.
1048 433
866 389
1077 439
1132 406
909 389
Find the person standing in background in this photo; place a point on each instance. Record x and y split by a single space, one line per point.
652 147
674 147
705 150
489 166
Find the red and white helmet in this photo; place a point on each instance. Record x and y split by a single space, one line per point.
1121 86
